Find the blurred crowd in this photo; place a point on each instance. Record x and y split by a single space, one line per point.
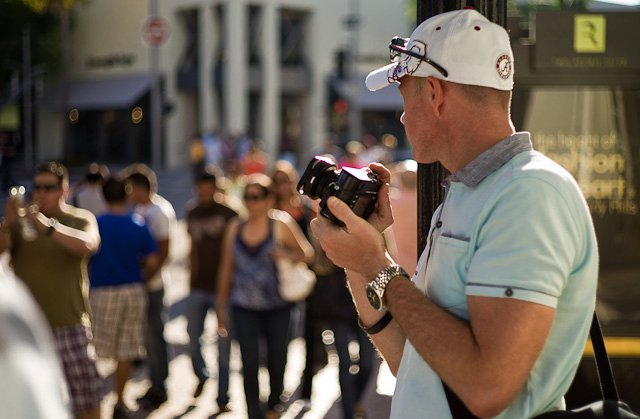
94 256
242 155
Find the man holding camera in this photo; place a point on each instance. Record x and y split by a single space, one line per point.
52 261
499 309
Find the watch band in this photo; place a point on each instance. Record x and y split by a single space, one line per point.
377 287
378 326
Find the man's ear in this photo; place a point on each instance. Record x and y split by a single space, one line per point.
437 94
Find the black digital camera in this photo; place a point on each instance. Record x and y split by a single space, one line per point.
358 188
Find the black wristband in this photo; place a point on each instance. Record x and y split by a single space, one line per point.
379 326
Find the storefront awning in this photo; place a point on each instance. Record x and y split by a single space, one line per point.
387 99
98 94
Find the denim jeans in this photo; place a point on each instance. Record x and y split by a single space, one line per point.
157 356
315 351
198 305
352 386
249 327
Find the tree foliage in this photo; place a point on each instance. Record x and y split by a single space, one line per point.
15 17
50 5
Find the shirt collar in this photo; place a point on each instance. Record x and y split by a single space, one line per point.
492 159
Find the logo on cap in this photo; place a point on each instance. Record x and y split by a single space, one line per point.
503 66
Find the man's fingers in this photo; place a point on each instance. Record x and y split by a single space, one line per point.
341 211
384 175
384 203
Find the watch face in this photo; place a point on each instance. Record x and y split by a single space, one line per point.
374 299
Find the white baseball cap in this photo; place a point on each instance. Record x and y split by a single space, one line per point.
460 46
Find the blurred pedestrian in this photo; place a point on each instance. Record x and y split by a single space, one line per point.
88 194
404 207
215 151
31 381
255 160
118 299
197 154
330 146
207 219
51 259
160 217
374 151
248 284
8 152
331 308
285 179
352 156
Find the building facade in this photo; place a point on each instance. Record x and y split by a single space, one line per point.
259 68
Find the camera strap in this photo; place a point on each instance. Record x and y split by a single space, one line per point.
457 408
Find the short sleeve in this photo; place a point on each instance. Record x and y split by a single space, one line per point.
160 225
81 219
527 243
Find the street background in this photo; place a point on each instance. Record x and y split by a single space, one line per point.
175 185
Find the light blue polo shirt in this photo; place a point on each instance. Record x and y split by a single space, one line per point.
513 224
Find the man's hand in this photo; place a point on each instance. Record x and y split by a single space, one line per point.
37 219
11 211
358 246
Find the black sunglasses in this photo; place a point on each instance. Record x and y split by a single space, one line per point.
397 47
254 197
46 188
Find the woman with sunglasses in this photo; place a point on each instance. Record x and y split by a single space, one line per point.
248 289
287 198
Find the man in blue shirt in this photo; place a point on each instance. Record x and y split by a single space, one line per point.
499 308
118 273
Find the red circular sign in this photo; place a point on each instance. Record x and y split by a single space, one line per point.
155 31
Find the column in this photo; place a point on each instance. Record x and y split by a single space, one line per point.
207 112
314 122
271 108
236 64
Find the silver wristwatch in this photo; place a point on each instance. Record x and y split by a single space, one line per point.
53 223
376 288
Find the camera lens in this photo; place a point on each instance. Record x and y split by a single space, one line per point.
319 173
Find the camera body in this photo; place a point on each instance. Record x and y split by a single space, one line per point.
358 188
